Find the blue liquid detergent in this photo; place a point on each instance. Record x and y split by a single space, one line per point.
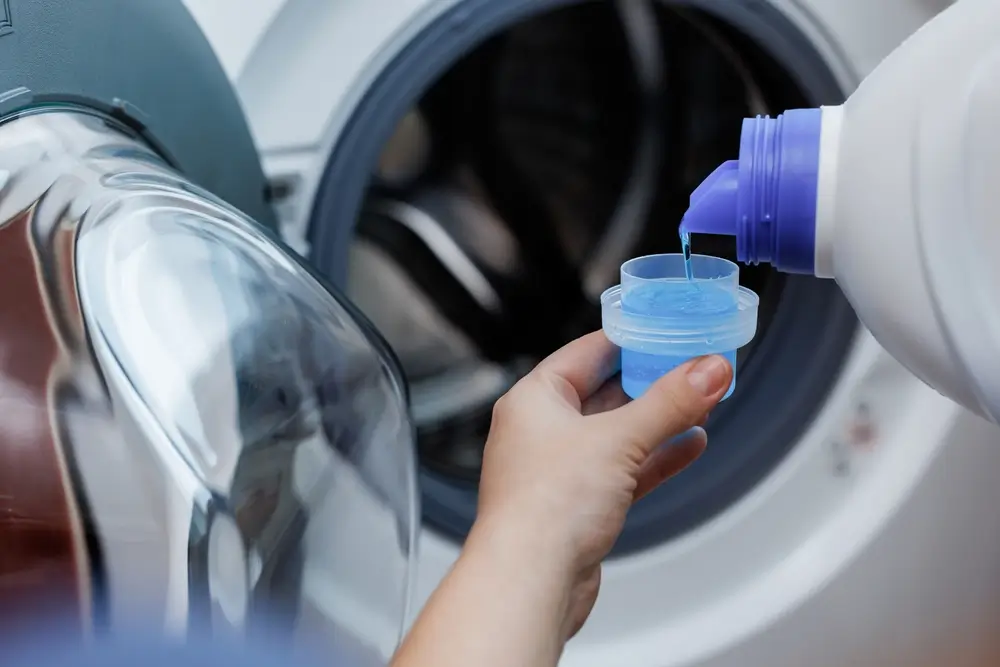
673 299
686 249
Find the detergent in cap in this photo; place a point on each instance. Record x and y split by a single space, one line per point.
660 318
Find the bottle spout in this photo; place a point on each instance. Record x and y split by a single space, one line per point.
714 204
767 198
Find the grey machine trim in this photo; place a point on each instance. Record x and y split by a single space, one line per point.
147 64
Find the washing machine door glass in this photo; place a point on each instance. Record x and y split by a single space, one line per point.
237 436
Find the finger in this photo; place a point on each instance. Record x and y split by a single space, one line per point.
673 404
669 460
585 364
609 397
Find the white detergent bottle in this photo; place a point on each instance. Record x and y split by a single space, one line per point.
896 195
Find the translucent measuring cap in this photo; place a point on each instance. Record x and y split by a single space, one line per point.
661 319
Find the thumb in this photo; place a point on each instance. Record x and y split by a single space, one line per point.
676 402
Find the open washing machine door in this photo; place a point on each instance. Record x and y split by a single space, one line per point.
472 172
199 435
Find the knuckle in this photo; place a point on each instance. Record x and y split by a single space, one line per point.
502 405
516 397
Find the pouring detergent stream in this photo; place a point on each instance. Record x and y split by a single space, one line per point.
894 195
686 251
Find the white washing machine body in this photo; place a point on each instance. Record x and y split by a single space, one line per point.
874 541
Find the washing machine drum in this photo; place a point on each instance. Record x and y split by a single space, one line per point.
488 184
199 434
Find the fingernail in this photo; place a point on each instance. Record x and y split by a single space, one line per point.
686 436
709 375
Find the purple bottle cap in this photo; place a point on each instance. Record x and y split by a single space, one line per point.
767 198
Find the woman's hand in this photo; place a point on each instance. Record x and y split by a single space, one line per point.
566 457
568 454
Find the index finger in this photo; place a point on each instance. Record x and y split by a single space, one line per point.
586 363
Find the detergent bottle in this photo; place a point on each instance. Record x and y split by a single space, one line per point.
895 195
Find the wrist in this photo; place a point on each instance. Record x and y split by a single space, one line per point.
517 544
505 603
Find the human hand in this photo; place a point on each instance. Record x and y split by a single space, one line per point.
568 454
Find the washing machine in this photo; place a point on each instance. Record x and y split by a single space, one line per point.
473 172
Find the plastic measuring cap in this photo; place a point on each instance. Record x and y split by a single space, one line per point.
660 319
